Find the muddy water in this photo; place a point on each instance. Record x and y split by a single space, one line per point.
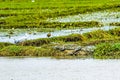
20 35
63 69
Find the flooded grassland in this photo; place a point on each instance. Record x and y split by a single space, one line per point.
42 30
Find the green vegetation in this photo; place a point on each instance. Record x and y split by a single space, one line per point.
58 25
27 51
107 50
26 14
99 34
2 45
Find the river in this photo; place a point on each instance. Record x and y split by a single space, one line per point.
58 69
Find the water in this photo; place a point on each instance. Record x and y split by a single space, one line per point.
21 35
104 17
62 69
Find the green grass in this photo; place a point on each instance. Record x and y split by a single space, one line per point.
54 3
57 25
22 14
4 44
107 50
27 51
